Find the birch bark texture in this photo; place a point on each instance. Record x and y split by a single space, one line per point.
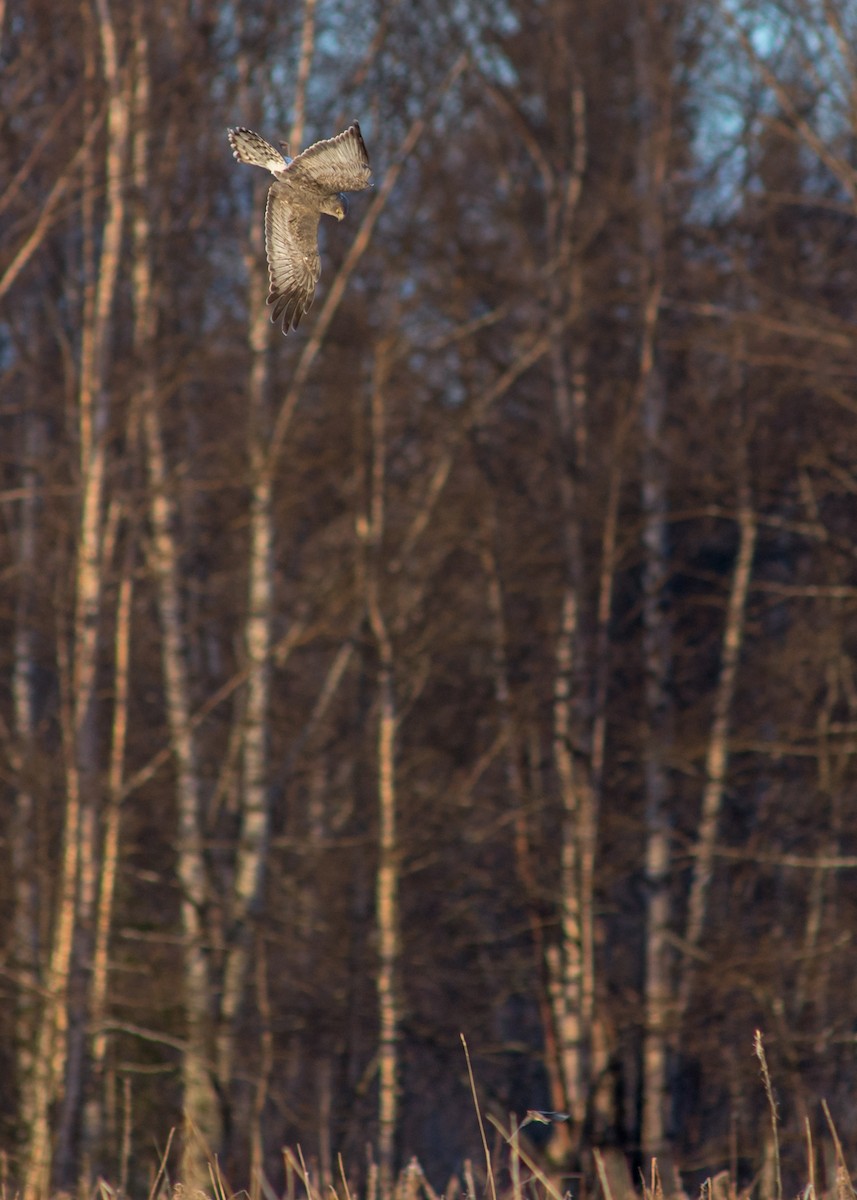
58 1065
372 528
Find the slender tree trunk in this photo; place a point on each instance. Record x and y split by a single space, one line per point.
201 1112
200 1104
24 865
717 757
603 1117
94 1112
252 850
565 962
651 174
95 1134
387 881
571 965
60 1054
657 656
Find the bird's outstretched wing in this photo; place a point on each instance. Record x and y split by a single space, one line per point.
291 244
338 164
249 148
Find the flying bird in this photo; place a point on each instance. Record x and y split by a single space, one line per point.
540 1117
304 187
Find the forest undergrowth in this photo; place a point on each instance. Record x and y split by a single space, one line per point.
510 1169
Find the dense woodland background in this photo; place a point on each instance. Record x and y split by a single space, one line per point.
480 658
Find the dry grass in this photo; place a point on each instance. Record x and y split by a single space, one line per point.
511 1172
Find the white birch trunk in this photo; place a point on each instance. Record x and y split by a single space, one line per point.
566 965
201 1113
387 916
717 757
252 847
94 1112
571 966
252 851
93 1124
200 1106
59 1060
387 880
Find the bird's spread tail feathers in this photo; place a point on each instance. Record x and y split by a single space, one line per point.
249 148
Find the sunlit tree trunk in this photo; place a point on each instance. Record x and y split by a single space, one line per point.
387 881
200 1105
94 1132
252 849
61 1040
571 964
565 961
717 756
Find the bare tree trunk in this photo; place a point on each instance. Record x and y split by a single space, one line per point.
252 848
656 649
603 1116
571 965
94 1138
387 882
651 174
717 757
200 1105
60 1055
565 962
24 865
94 1112
201 1113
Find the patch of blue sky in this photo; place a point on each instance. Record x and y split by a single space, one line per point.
810 61
474 22
720 149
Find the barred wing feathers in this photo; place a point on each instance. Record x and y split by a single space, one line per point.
291 244
338 164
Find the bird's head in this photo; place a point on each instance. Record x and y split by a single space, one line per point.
337 206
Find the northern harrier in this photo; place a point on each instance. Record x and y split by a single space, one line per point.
303 189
